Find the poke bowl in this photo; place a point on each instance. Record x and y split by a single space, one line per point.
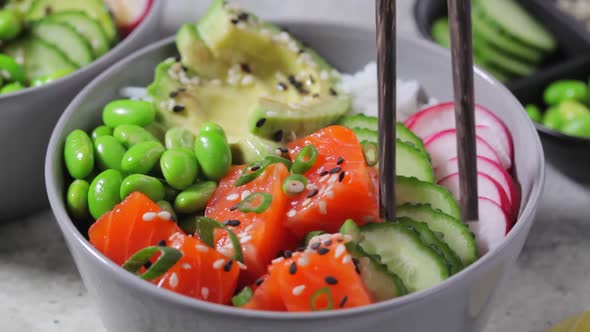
40 78
292 240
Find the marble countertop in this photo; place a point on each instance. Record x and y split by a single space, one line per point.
40 289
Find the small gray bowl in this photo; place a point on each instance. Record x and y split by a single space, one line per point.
460 304
27 118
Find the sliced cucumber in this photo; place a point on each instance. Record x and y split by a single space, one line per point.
87 27
489 54
364 134
431 240
410 162
414 191
402 251
407 136
66 39
94 8
39 57
359 121
450 230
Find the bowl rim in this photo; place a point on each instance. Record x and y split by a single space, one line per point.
154 11
526 217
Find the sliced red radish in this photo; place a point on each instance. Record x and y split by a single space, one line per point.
128 13
442 117
489 136
486 188
492 227
442 146
495 171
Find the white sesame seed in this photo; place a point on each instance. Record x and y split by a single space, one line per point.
312 186
333 178
232 197
149 216
277 260
241 25
323 206
265 33
322 179
202 248
248 228
164 215
245 239
298 290
218 264
242 266
303 261
245 194
306 202
204 293
292 46
347 237
291 213
186 266
324 75
173 281
284 37
232 80
347 259
339 250
247 80
330 194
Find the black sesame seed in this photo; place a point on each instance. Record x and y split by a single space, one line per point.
300 249
228 265
254 168
301 51
316 95
293 268
173 94
232 222
234 207
259 281
48 10
246 68
340 161
287 254
324 173
177 58
323 251
178 108
184 68
278 136
331 280
315 245
312 193
341 176
260 122
280 254
147 265
243 16
283 149
162 243
333 92
292 79
335 170
343 301
181 90
234 21
282 86
328 243
311 79
303 91
356 265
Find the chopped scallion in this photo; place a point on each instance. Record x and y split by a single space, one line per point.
295 184
169 257
206 229
314 297
304 159
371 151
243 297
256 202
252 172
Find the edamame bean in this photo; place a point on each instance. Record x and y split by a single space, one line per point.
10 25
101 131
11 87
212 127
129 135
565 90
579 127
142 157
78 154
11 70
51 77
108 152
194 198
534 112
166 206
552 119
179 167
157 130
213 152
178 137
77 199
150 186
103 193
128 111
569 110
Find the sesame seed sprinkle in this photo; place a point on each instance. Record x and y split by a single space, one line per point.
323 206
233 207
287 254
232 197
227 266
245 239
335 170
173 94
339 250
298 290
218 264
173 281
315 245
178 108
259 281
149 216
341 176
165 215
277 260
260 122
278 136
328 243
245 194
303 261
306 202
186 266
241 25
331 280
312 193
339 161
323 251
324 173
204 293
283 149
293 268
202 248
162 243
242 266
333 92
291 213
343 301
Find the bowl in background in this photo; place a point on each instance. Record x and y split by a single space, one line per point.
27 118
460 304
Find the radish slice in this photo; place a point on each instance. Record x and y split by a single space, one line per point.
129 13
493 225
486 188
489 136
495 171
442 117
442 146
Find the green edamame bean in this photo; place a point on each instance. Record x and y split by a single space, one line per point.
552 119
166 206
565 90
194 198
11 87
129 135
142 157
178 137
534 112
150 186
157 130
77 199
213 152
128 111
78 154
10 25
579 127
103 193
101 131
212 127
11 70
569 110
108 153
179 167
51 77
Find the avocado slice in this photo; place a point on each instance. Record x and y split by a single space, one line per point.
261 85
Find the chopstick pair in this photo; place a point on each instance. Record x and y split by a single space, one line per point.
462 64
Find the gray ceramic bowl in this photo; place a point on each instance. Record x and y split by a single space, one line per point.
28 117
459 304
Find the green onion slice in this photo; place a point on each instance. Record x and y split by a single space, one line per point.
311 235
169 257
276 160
371 151
248 175
243 297
304 159
317 294
256 202
295 184
206 229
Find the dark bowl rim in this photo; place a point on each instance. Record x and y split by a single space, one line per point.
528 209
154 10
565 138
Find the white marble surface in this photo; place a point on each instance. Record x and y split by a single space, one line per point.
40 290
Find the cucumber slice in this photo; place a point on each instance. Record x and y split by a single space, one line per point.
94 8
431 240
414 191
489 54
410 162
407 136
440 32
402 251
363 134
380 282
66 39
39 57
450 230
87 27
356 121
